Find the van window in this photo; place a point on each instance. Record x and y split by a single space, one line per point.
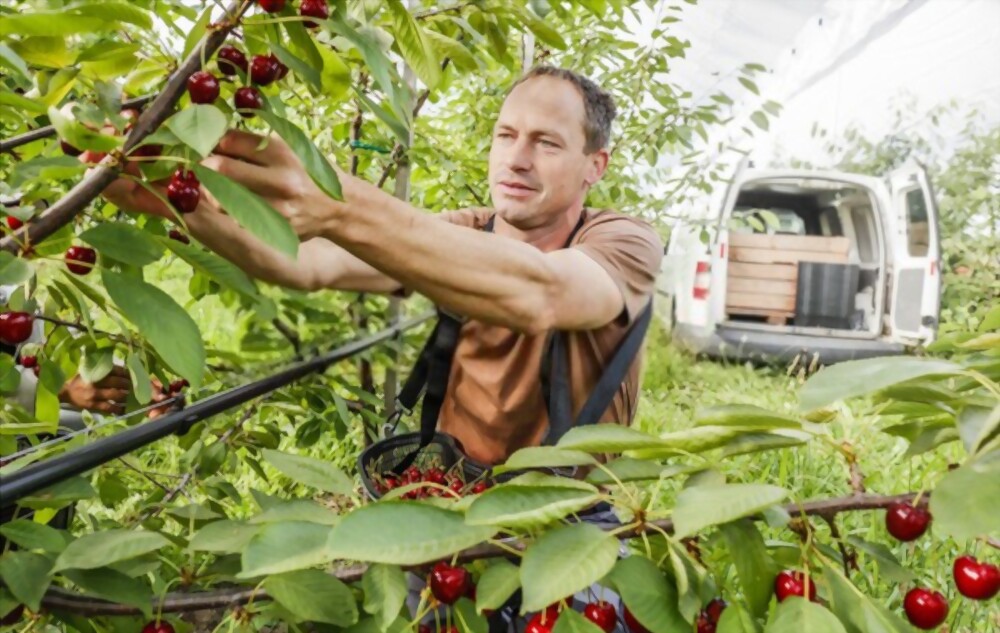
917 225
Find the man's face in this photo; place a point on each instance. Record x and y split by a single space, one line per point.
538 168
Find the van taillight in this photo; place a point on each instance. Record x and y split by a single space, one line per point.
702 279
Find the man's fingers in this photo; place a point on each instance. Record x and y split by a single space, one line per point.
260 180
111 395
110 407
119 371
251 147
114 382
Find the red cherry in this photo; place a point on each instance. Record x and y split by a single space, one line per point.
314 9
714 609
178 385
271 6
282 69
263 70
248 98
29 361
160 627
424 628
174 234
80 259
793 583
705 625
925 608
979 581
551 613
203 87
456 486
448 583
434 476
906 522
535 625
68 149
229 59
147 151
14 223
633 624
480 487
184 191
602 614
15 327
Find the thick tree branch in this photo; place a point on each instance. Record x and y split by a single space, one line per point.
63 600
85 191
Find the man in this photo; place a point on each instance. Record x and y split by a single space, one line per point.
516 285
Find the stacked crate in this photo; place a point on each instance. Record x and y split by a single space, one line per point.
763 271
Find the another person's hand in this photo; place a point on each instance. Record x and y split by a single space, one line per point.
107 395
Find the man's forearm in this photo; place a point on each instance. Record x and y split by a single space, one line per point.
501 281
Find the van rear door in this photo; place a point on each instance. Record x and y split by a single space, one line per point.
916 248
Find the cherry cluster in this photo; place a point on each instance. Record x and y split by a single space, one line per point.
437 483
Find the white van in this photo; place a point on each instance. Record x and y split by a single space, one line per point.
824 265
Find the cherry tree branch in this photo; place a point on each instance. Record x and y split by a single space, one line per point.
90 187
61 599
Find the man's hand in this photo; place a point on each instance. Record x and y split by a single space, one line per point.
269 168
107 395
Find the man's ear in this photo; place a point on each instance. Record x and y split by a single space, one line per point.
596 166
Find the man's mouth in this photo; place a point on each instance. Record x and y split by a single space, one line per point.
511 187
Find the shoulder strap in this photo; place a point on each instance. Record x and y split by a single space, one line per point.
560 403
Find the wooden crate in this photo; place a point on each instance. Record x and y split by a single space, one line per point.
763 271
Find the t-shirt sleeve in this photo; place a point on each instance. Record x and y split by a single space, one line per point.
631 252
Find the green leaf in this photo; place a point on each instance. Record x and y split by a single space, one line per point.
27 575
10 376
123 242
51 24
647 594
796 615
312 472
193 511
31 535
545 457
977 426
694 440
745 415
527 506
199 126
749 85
398 127
250 211
414 45
23 103
12 60
385 591
113 585
453 50
197 31
213 266
759 119
542 30
958 502
142 384
467 618
375 59
703 506
756 442
564 561
95 365
572 622
857 612
297 66
735 619
316 165
859 377
61 494
304 44
403 533
297 510
100 549
116 12
167 326
627 469
223 537
607 438
754 566
79 136
497 584
281 547
888 565
14 270
315 596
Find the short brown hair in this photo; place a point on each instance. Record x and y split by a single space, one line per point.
599 106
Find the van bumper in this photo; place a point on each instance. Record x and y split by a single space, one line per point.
737 344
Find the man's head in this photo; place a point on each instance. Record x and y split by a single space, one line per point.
549 146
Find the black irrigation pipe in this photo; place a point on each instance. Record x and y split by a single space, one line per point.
39 476
48 130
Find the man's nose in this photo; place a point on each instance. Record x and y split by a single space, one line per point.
519 155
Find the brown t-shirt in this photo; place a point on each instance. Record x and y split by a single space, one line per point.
494 404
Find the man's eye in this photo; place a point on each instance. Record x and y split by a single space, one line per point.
504 135
549 143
